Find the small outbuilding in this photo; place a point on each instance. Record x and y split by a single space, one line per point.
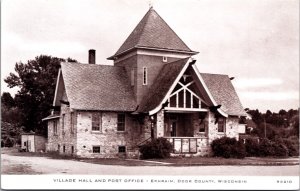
32 142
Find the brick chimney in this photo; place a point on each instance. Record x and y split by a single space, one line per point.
92 56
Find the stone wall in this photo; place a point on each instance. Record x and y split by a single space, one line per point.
108 138
160 124
67 137
137 129
53 139
232 127
39 142
213 128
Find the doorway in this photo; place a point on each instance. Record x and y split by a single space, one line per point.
174 128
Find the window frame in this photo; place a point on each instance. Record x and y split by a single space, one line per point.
221 121
96 146
99 121
132 75
72 122
63 123
165 59
121 147
145 76
123 123
54 127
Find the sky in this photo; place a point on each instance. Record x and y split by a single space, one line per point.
255 41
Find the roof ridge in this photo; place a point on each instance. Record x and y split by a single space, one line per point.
173 30
143 27
87 64
136 27
214 74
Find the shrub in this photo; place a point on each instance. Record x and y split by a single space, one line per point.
156 148
280 150
292 146
266 148
239 150
252 147
228 148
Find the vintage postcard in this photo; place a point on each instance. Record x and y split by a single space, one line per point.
150 94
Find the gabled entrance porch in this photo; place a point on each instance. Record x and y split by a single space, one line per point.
186 131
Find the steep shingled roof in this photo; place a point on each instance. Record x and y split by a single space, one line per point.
97 87
161 85
153 32
224 93
218 85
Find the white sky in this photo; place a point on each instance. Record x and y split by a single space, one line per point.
255 41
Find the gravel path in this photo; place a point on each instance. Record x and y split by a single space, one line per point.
41 165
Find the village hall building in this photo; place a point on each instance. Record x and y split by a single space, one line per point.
154 89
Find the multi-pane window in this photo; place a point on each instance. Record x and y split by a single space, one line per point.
96 121
63 123
55 127
165 59
145 76
132 77
122 149
121 122
72 122
96 149
221 124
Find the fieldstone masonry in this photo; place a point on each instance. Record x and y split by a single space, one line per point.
80 142
160 124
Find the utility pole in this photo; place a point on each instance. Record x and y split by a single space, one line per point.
265 127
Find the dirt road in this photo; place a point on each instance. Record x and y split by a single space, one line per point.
41 165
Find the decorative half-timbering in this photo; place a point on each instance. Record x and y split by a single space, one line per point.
186 96
154 89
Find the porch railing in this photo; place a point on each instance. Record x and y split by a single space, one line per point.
184 144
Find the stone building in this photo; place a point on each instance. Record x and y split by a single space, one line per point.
154 89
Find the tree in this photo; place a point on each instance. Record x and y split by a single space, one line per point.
7 100
36 80
282 112
256 116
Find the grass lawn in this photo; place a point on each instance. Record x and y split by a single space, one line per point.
174 161
185 161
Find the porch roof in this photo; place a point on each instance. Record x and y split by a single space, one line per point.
53 116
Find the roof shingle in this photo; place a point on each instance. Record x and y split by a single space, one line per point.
153 32
218 85
97 87
224 93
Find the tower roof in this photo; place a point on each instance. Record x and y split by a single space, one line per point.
152 32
